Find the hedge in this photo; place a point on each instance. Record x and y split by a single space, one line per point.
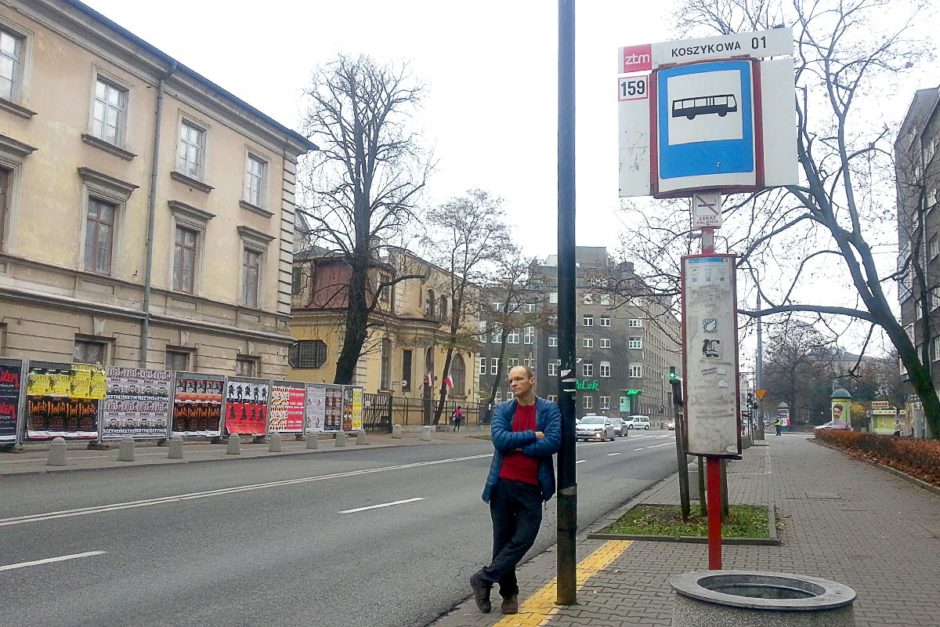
918 458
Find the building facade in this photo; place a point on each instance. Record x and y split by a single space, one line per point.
917 159
625 346
146 214
405 352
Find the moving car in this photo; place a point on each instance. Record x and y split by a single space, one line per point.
595 428
620 427
671 424
638 422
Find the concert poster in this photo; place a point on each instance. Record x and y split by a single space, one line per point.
62 400
246 405
286 414
11 375
137 403
197 404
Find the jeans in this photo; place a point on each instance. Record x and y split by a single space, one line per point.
516 511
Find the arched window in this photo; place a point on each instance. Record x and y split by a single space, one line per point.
429 305
458 374
443 309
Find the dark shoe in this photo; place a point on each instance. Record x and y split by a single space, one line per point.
481 593
510 605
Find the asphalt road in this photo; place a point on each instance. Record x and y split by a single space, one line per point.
365 537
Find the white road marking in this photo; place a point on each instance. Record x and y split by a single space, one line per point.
580 461
362 509
50 560
612 454
84 511
658 445
639 449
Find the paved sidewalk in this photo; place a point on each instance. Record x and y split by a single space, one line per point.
32 457
842 519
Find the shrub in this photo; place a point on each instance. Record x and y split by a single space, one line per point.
918 458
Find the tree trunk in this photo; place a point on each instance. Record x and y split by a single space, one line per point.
443 397
357 325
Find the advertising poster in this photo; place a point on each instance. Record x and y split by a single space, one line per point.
246 406
11 374
316 408
286 414
62 400
197 404
137 403
357 409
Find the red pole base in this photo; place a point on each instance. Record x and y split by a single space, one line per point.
713 476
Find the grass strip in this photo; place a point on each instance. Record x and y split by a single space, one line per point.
743 521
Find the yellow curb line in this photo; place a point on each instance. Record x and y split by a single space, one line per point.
540 607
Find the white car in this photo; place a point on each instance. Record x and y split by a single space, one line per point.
638 422
595 428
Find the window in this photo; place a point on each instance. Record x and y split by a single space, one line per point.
513 337
108 115
458 375
588 320
588 402
529 362
553 368
528 335
184 259
6 181
605 299
935 348
481 330
99 236
553 297
385 365
190 159
90 352
587 342
255 177
636 371
605 369
406 357
429 304
496 396
552 340
308 354
588 298
251 278
496 337
635 342
935 298
494 365
605 402
933 247
481 362
176 359
11 61
246 367
442 310
587 370
605 321
605 342
635 323
530 308
496 306
513 362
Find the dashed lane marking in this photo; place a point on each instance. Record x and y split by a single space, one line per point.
580 461
391 504
612 454
51 560
540 607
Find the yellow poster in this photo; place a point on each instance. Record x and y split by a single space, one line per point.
61 384
357 409
38 384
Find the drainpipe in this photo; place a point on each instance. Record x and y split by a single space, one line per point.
151 216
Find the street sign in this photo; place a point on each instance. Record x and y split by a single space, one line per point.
706 210
761 44
880 404
760 394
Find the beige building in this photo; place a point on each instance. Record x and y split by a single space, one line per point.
146 214
409 337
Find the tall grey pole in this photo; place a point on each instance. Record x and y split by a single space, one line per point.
567 524
758 365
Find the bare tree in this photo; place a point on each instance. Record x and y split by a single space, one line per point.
845 51
365 182
798 369
468 233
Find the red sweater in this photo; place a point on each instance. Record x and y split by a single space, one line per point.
516 466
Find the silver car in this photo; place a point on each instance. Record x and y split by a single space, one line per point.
595 428
620 427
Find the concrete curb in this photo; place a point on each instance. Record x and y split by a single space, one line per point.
894 471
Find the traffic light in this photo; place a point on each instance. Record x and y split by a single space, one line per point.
676 384
672 374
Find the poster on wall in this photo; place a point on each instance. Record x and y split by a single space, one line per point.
11 374
246 405
355 409
286 414
324 407
137 403
62 400
197 404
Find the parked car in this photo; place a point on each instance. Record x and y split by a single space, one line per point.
837 425
671 424
620 427
595 428
638 422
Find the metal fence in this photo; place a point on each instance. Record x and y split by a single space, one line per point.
381 411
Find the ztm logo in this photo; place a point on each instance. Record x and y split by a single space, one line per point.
637 58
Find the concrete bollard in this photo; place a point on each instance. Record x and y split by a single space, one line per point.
176 447
426 433
361 438
56 453
313 442
274 442
126 451
397 432
340 439
234 445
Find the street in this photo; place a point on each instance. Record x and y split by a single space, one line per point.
380 537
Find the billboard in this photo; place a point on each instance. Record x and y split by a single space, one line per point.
197 404
710 354
62 400
286 413
246 405
137 404
11 376
325 407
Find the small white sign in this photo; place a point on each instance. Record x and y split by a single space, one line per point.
758 45
706 210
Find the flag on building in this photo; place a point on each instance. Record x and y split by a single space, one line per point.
429 378
448 381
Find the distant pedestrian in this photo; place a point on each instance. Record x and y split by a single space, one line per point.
457 417
897 428
526 432
778 425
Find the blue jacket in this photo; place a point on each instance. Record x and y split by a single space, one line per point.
548 421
